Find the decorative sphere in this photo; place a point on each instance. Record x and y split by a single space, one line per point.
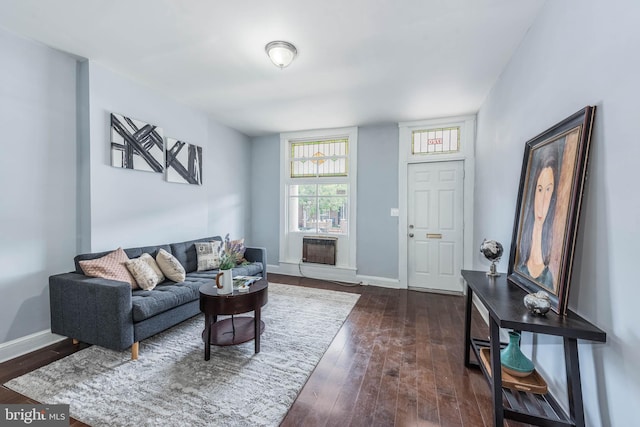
491 250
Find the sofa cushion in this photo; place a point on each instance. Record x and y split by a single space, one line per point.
170 266
252 269
185 252
164 297
112 266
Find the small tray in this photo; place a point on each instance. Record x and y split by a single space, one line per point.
532 383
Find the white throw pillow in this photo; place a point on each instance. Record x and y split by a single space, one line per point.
154 266
170 266
208 255
143 273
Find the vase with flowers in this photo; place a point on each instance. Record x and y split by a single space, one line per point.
224 278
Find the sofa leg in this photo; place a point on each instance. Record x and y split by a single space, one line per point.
74 341
134 350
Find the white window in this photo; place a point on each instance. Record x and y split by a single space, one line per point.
318 188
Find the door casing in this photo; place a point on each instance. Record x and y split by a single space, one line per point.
466 155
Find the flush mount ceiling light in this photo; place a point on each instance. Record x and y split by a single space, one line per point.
281 53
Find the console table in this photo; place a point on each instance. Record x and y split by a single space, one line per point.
504 301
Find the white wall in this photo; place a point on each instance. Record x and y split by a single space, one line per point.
134 208
37 180
577 53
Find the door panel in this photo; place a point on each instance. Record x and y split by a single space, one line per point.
422 257
446 209
435 218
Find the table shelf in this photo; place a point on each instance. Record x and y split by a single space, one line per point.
520 405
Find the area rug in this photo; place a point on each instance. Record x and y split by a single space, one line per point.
172 385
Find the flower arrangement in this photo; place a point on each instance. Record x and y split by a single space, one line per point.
227 261
232 254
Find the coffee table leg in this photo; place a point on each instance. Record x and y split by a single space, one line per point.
207 332
256 328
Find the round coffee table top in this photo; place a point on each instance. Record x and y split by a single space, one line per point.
210 290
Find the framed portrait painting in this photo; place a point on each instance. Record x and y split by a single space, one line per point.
548 208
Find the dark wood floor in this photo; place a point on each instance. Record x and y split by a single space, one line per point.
396 361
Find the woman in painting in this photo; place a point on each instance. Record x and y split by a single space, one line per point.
536 237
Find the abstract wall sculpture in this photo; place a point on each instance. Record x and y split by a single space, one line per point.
184 162
136 145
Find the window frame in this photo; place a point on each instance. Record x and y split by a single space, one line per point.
286 235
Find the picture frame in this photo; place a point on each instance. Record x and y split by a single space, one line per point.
548 208
183 162
136 144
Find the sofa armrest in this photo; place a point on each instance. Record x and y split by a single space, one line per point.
92 310
257 255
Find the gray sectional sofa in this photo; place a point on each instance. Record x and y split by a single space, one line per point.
109 314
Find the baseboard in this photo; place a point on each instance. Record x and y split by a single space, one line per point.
315 271
27 344
321 272
383 282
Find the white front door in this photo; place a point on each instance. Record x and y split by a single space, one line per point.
435 225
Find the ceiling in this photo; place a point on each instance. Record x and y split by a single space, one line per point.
359 61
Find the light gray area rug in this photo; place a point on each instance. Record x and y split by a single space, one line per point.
172 385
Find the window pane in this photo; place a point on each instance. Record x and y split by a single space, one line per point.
303 214
319 158
435 141
332 189
302 190
332 167
332 216
303 168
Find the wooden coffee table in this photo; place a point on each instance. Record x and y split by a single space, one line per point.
234 330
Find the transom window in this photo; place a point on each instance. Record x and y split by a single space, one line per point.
436 141
319 158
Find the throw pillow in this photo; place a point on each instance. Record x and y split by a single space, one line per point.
208 255
170 266
154 266
111 266
236 249
143 273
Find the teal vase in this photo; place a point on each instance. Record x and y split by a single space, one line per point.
512 359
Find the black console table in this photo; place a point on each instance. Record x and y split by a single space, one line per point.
503 300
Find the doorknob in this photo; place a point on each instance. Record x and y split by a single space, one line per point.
410 234
410 225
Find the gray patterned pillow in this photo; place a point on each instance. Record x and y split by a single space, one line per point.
208 255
